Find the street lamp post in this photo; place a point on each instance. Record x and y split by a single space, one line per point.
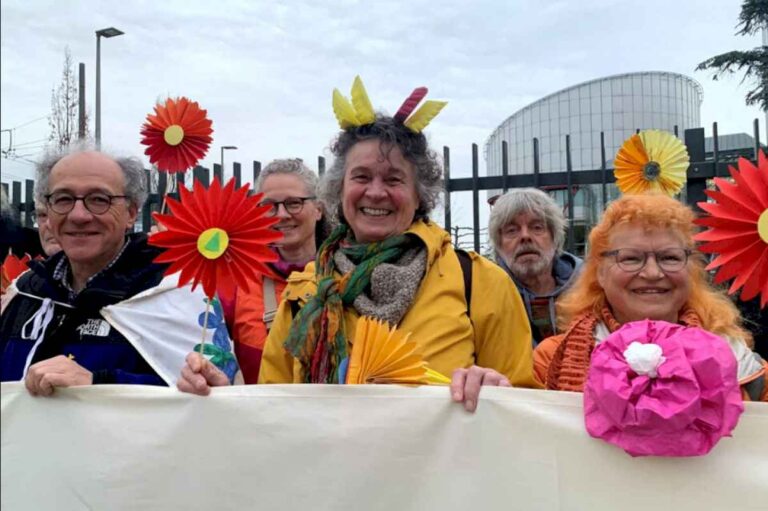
104 32
222 158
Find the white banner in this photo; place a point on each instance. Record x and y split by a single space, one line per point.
349 448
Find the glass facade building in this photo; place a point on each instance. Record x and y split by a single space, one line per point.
616 105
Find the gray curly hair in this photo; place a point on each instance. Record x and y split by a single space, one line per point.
293 166
527 200
133 170
415 149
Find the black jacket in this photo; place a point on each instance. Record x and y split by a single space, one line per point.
76 327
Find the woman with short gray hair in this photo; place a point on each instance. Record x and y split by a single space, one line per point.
289 187
427 169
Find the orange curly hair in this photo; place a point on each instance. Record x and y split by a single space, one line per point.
718 314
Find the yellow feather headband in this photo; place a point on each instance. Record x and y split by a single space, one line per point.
359 111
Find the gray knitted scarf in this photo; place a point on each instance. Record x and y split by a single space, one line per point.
393 285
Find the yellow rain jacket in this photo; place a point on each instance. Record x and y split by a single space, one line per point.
498 336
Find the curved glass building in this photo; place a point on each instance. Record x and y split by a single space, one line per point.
617 105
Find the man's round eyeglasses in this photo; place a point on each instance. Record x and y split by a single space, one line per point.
97 203
292 205
633 260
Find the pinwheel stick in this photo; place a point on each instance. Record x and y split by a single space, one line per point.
162 208
170 187
205 325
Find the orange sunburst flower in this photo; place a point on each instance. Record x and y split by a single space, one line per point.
738 229
11 268
177 136
216 235
651 160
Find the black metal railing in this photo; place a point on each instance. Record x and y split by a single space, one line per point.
702 168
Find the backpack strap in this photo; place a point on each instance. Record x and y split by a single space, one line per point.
270 303
465 261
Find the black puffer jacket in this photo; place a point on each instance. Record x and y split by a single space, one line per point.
76 327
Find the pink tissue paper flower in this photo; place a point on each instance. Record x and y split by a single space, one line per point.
682 407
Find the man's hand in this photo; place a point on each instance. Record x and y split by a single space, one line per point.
198 376
466 383
43 377
157 228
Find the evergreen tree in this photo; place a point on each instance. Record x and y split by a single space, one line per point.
754 63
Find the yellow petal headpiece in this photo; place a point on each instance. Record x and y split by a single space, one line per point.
359 111
651 160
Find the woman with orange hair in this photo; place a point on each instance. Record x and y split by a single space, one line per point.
642 265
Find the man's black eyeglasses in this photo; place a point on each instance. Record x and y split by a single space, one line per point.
97 203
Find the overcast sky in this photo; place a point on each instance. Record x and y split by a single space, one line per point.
265 70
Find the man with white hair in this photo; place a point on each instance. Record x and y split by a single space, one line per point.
527 230
52 333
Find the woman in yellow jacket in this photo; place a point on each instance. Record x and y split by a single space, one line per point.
386 260
497 335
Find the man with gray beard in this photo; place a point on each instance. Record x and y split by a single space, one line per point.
527 230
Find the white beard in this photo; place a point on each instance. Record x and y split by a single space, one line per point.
525 271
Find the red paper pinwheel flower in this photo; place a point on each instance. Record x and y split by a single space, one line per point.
12 267
738 229
178 135
216 235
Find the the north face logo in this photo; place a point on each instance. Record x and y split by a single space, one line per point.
97 327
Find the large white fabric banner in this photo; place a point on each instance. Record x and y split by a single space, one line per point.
349 448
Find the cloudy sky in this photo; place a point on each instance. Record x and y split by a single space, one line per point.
265 70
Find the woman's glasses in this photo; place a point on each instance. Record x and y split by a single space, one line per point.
293 205
633 260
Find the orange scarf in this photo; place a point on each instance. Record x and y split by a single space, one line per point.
570 362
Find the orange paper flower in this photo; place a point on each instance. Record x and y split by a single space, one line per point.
11 268
216 235
178 135
738 229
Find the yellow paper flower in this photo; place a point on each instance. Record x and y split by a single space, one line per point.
651 160
381 354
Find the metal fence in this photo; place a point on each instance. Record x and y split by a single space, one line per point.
703 167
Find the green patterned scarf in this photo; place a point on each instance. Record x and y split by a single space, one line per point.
317 336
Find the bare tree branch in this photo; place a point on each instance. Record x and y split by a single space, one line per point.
64 106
